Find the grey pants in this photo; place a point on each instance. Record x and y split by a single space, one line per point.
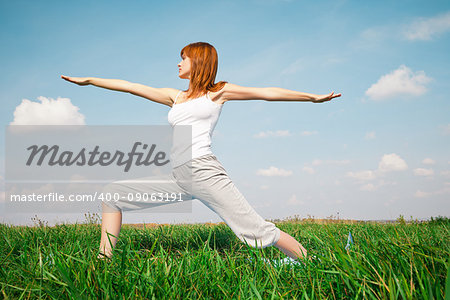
205 179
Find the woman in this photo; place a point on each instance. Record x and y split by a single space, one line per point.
200 106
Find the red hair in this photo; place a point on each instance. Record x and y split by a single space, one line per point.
204 61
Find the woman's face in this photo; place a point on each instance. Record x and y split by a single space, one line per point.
184 67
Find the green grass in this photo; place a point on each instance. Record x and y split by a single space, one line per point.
386 261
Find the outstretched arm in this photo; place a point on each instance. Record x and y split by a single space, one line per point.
236 92
159 95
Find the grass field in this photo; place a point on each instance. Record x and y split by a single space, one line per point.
402 260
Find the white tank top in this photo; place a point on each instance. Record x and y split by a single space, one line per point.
202 114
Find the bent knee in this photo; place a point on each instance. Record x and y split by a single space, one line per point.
110 197
261 239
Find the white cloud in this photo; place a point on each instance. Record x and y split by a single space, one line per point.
308 170
428 161
264 187
48 112
273 171
307 133
294 201
423 172
402 81
374 186
388 163
317 162
362 175
420 29
421 194
370 135
392 162
426 28
264 134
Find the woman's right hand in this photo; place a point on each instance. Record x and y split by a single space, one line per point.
77 80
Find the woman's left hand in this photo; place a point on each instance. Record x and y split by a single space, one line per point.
323 98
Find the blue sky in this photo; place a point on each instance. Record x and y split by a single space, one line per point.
378 151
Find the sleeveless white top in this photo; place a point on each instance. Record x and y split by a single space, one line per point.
202 114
